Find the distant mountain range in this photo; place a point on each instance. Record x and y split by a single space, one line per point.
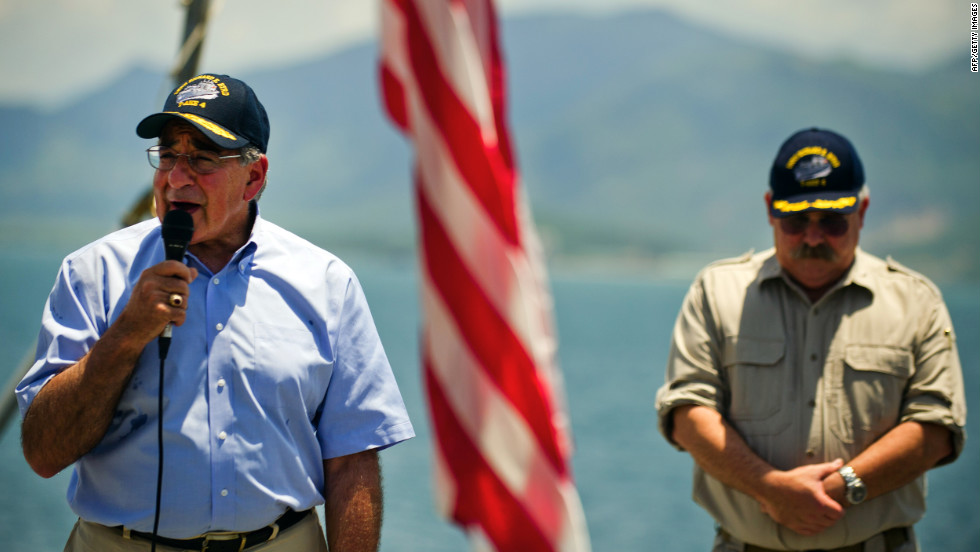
643 142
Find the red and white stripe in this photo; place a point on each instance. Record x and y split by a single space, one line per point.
501 433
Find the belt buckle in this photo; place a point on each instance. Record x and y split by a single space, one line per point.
211 543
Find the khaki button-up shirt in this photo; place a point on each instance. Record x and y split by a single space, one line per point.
806 382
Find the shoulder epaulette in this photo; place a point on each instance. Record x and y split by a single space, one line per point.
895 266
741 259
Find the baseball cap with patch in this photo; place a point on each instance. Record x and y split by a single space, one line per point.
225 109
815 170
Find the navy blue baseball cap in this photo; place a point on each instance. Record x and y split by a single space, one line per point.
225 109
815 170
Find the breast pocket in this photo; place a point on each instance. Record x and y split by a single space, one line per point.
756 378
289 369
868 390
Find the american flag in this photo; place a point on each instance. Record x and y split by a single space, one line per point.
496 401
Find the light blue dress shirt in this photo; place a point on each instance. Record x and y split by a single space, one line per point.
278 366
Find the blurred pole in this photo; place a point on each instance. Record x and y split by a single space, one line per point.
185 67
8 401
189 55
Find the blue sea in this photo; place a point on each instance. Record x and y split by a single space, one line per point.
614 334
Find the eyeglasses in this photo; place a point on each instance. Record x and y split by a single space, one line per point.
201 161
832 224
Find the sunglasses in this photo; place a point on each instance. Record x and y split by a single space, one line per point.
832 224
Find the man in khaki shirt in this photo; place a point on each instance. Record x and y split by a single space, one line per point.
813 384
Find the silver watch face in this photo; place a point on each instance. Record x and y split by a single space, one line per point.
856 493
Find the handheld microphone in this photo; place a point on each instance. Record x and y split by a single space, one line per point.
177 230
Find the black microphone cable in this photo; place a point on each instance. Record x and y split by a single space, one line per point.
164 344
177 231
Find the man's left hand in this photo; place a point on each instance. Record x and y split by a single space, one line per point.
797 500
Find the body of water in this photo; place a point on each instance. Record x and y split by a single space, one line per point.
614 335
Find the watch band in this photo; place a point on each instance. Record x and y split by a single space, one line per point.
854 489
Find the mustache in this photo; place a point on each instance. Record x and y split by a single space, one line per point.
821 252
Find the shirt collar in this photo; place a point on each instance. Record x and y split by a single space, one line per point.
770 266
244 255
858 274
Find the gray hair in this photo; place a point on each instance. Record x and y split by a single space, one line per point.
864 193
250 154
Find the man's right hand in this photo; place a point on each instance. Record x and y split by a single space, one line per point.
72 411
148 310
796 498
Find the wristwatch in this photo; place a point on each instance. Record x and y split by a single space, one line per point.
854 489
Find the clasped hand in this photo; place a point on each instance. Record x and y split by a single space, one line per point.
797 499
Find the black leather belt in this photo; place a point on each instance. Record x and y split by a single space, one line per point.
894 538
230 542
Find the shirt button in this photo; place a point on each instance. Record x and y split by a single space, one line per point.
224 492
813 357
809 453
216 281
811 403
222 436
221 383
219 326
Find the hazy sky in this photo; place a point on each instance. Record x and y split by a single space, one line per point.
53 50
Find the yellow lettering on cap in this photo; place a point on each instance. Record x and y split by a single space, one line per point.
217 129
813 150
784 206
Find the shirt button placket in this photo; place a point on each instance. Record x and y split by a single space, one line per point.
222 466
813 378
